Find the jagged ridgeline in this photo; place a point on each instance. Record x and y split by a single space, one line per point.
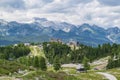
41 30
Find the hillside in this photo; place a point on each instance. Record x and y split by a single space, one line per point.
27 67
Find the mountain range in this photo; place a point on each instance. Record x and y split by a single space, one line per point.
41 30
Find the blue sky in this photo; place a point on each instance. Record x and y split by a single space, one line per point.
105 13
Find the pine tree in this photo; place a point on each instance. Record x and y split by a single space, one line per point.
43 65
56 64
36 62
86 64
110 63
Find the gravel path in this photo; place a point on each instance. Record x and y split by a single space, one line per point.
108 76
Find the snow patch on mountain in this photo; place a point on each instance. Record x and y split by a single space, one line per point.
87 29
2 22
66 30
53 24
109 37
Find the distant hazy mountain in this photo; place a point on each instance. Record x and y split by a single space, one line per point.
42 30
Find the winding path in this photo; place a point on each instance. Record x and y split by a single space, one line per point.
27 73
108 76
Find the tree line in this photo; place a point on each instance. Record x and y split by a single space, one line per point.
13 52
114 59
58 53
37 62
67 55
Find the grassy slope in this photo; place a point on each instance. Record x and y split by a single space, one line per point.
36 51
7 67
49 75
65 74
90 75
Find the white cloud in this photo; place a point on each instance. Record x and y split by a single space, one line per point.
76 12
11 4
110 2
36 3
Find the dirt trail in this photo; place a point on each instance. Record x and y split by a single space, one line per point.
108 76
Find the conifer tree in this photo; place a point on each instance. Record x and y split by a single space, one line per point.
86 64
56 64
43 65
36 62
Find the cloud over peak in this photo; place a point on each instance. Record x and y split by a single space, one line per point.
99 12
